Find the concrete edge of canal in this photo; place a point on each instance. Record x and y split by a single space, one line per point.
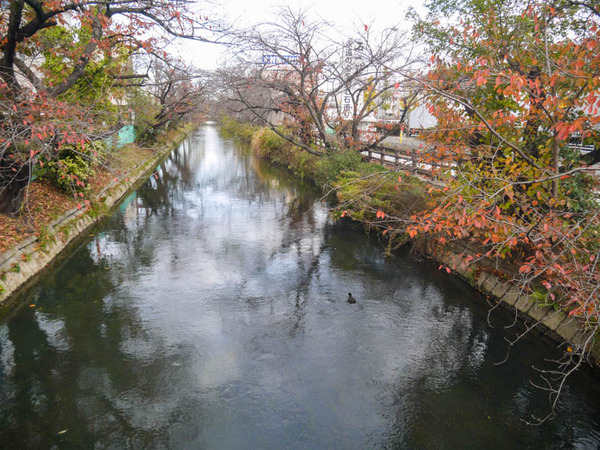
21 264
553 323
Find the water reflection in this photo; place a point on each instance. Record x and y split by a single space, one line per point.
210 312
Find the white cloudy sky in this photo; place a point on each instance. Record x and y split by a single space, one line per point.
343 13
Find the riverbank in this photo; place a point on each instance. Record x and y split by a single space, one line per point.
363 191
51 221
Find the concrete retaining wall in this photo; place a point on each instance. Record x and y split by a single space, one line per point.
551 322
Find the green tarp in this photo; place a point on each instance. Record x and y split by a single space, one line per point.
125 136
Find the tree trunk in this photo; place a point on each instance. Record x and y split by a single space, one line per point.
9 47
12 185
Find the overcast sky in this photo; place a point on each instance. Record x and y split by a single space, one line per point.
343 13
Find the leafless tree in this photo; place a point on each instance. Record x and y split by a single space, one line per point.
315 86
178 91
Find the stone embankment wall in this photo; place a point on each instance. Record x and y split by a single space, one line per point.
554 323
20 264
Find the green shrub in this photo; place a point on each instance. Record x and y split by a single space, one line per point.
94 151
72 167
70 174
143 133
144 111
329 168
242 130
267 143
363 194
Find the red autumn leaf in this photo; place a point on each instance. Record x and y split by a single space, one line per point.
525 268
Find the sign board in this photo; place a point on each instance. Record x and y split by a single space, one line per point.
277 60
347 110
352 53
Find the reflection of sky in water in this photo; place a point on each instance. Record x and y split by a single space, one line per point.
210 312
7 352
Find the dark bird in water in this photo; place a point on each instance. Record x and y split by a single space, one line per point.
350 298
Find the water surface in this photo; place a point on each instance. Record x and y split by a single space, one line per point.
210 312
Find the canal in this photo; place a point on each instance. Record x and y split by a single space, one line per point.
209 311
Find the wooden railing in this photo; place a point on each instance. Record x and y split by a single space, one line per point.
398 158
416 160
413 160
